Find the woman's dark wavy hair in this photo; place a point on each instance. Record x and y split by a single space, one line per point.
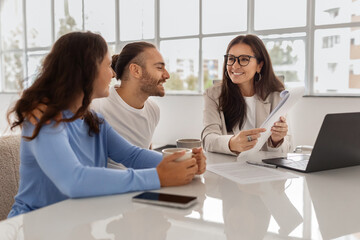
68 71
232 103
129 54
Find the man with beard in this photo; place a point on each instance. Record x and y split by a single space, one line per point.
128 109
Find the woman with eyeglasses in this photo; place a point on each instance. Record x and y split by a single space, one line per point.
235 108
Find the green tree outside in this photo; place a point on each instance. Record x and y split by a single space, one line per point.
174 82
281 57
192 83
13 65
208 82
68 23
13 62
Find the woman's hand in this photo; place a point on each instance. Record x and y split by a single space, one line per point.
173 173
279 131
38 112
245 140
198 154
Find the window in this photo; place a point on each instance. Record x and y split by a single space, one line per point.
181 58
38 25
336 11
312 43
99 16
34 61
141 14
333 57
330 41
224 16
68 16
332 67
213 58
277 14
11 58
288 58
179 18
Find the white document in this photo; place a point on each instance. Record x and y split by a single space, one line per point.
246 174
288 100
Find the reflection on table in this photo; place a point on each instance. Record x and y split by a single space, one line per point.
322 205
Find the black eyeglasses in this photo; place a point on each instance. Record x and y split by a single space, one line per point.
243 60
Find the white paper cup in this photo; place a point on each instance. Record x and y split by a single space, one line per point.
168 151
188 143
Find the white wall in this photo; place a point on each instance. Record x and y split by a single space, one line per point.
181 116
307 115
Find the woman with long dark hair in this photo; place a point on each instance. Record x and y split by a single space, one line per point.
68 157
235 108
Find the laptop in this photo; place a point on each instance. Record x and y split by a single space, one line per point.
337 146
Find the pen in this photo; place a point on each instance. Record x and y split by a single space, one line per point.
262 164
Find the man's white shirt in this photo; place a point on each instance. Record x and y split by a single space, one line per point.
135 125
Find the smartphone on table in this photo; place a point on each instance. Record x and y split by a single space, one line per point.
165 199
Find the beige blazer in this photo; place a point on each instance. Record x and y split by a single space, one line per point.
215 137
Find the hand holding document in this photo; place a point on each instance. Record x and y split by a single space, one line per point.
288 100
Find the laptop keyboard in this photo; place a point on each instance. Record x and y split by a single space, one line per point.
296 164
295 161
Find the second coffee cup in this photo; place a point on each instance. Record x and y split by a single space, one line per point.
188 143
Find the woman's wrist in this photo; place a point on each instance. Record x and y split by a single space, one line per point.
230 144
275 144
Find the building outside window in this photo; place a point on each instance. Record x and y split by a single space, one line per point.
312 43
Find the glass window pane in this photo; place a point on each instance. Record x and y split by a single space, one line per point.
112 51
337 11
182 62
111 48
213 52
34 62
179 18
11 31
12 71
288 59
100 18
279 14
38 23
68 16
337 61
141 15
218 17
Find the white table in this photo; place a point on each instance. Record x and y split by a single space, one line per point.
322 205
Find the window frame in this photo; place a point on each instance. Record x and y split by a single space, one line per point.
309 38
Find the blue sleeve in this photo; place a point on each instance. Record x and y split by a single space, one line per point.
59 163
121 151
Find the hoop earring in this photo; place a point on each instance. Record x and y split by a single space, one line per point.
258 77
